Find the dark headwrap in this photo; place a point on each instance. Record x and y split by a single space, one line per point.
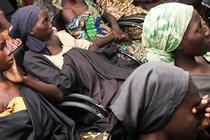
150 96
22 22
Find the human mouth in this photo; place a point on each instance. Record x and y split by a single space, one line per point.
51 32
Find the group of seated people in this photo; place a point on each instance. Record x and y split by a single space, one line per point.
164 98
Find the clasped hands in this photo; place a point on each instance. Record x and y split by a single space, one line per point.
203 110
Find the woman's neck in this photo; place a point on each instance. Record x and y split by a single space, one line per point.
153 136
2 78
185 62
54 49
192 64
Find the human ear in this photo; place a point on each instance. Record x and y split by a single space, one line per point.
32 33
180 47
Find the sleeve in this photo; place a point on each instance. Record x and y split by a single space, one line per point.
39 67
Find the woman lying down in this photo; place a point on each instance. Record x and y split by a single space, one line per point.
24 113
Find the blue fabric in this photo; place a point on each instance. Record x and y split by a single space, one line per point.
22 22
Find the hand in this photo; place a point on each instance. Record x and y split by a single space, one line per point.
13 44
13 74
127 38
203 108
118 33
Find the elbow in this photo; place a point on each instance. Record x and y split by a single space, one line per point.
93 47
60 97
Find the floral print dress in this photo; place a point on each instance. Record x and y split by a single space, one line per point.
91 26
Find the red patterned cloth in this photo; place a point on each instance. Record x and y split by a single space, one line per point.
13 44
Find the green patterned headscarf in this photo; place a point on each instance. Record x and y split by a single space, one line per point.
163 30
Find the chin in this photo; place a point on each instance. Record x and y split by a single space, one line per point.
48 38
7 68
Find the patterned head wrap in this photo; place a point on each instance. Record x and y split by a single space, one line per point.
23 21
145 103
164 28
57 4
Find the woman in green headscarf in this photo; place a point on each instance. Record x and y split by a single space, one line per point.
174 33
164 28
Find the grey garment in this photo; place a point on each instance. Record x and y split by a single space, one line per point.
202 82
206 3
47 6
149 97
41 121
83 71
38 66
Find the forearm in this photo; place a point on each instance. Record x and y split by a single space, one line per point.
110 19
101 42
49 91
5 23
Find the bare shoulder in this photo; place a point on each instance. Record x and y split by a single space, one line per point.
68 14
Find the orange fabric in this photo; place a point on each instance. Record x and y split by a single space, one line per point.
12 44
6 35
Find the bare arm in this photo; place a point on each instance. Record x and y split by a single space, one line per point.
67 15
49 91
103 41
118 33
4 21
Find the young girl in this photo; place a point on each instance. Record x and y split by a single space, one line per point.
22 107
86 20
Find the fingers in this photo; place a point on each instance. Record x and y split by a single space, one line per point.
194 110
13 44
203 111
207 114
200 109
119 36
118 33
203 107
206 102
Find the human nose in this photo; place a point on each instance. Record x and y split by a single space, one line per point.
50 24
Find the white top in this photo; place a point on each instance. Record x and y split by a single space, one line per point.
68 42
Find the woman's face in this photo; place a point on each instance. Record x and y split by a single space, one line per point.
196 41
6 58
184 125
42 29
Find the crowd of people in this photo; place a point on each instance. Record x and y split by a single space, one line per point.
167 97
